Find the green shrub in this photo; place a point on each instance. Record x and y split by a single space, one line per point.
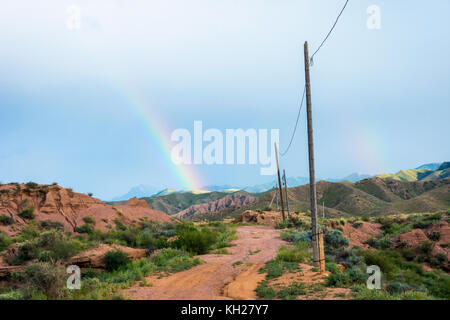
381 259
295 253
89 220
348 278
49 224
357 224
45 256
282 225
31 185
85 228
383 243
194 239
5 241
115 259
332 267
55 244
12 295
47 278
27 213
6 220
333 240
435 236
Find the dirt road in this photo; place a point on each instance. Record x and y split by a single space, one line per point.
226 276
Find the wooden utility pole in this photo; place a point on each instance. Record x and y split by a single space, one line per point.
312 182
279 184
286 194
323 209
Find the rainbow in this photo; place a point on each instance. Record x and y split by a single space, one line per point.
158 131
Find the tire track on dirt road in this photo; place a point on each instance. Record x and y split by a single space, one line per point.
217 278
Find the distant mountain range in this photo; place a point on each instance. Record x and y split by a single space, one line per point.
423 189
430 166
142 191
138 192
430 171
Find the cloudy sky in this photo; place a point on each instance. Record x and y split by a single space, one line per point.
70 93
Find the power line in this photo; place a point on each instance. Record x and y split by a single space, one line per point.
296 123
329 32
312 62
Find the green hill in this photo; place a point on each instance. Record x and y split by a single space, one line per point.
423 173
374 196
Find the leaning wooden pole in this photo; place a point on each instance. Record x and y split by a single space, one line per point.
286 194
312 182
279 184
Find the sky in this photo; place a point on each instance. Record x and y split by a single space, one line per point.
92 105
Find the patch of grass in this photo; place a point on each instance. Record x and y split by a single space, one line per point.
291 291
295 253
237 263
222 251
174 260
361 292
264 291
267 292
287 260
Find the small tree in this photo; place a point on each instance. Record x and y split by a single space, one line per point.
27 213
114 259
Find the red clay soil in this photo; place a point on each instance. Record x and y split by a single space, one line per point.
358 236
267 217
443 227
412 239
311 278
69 208
217 278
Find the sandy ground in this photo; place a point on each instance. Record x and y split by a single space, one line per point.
217 278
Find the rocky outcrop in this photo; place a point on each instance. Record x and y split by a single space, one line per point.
68 208
94 258
266 217
234 200
357 236
412 239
